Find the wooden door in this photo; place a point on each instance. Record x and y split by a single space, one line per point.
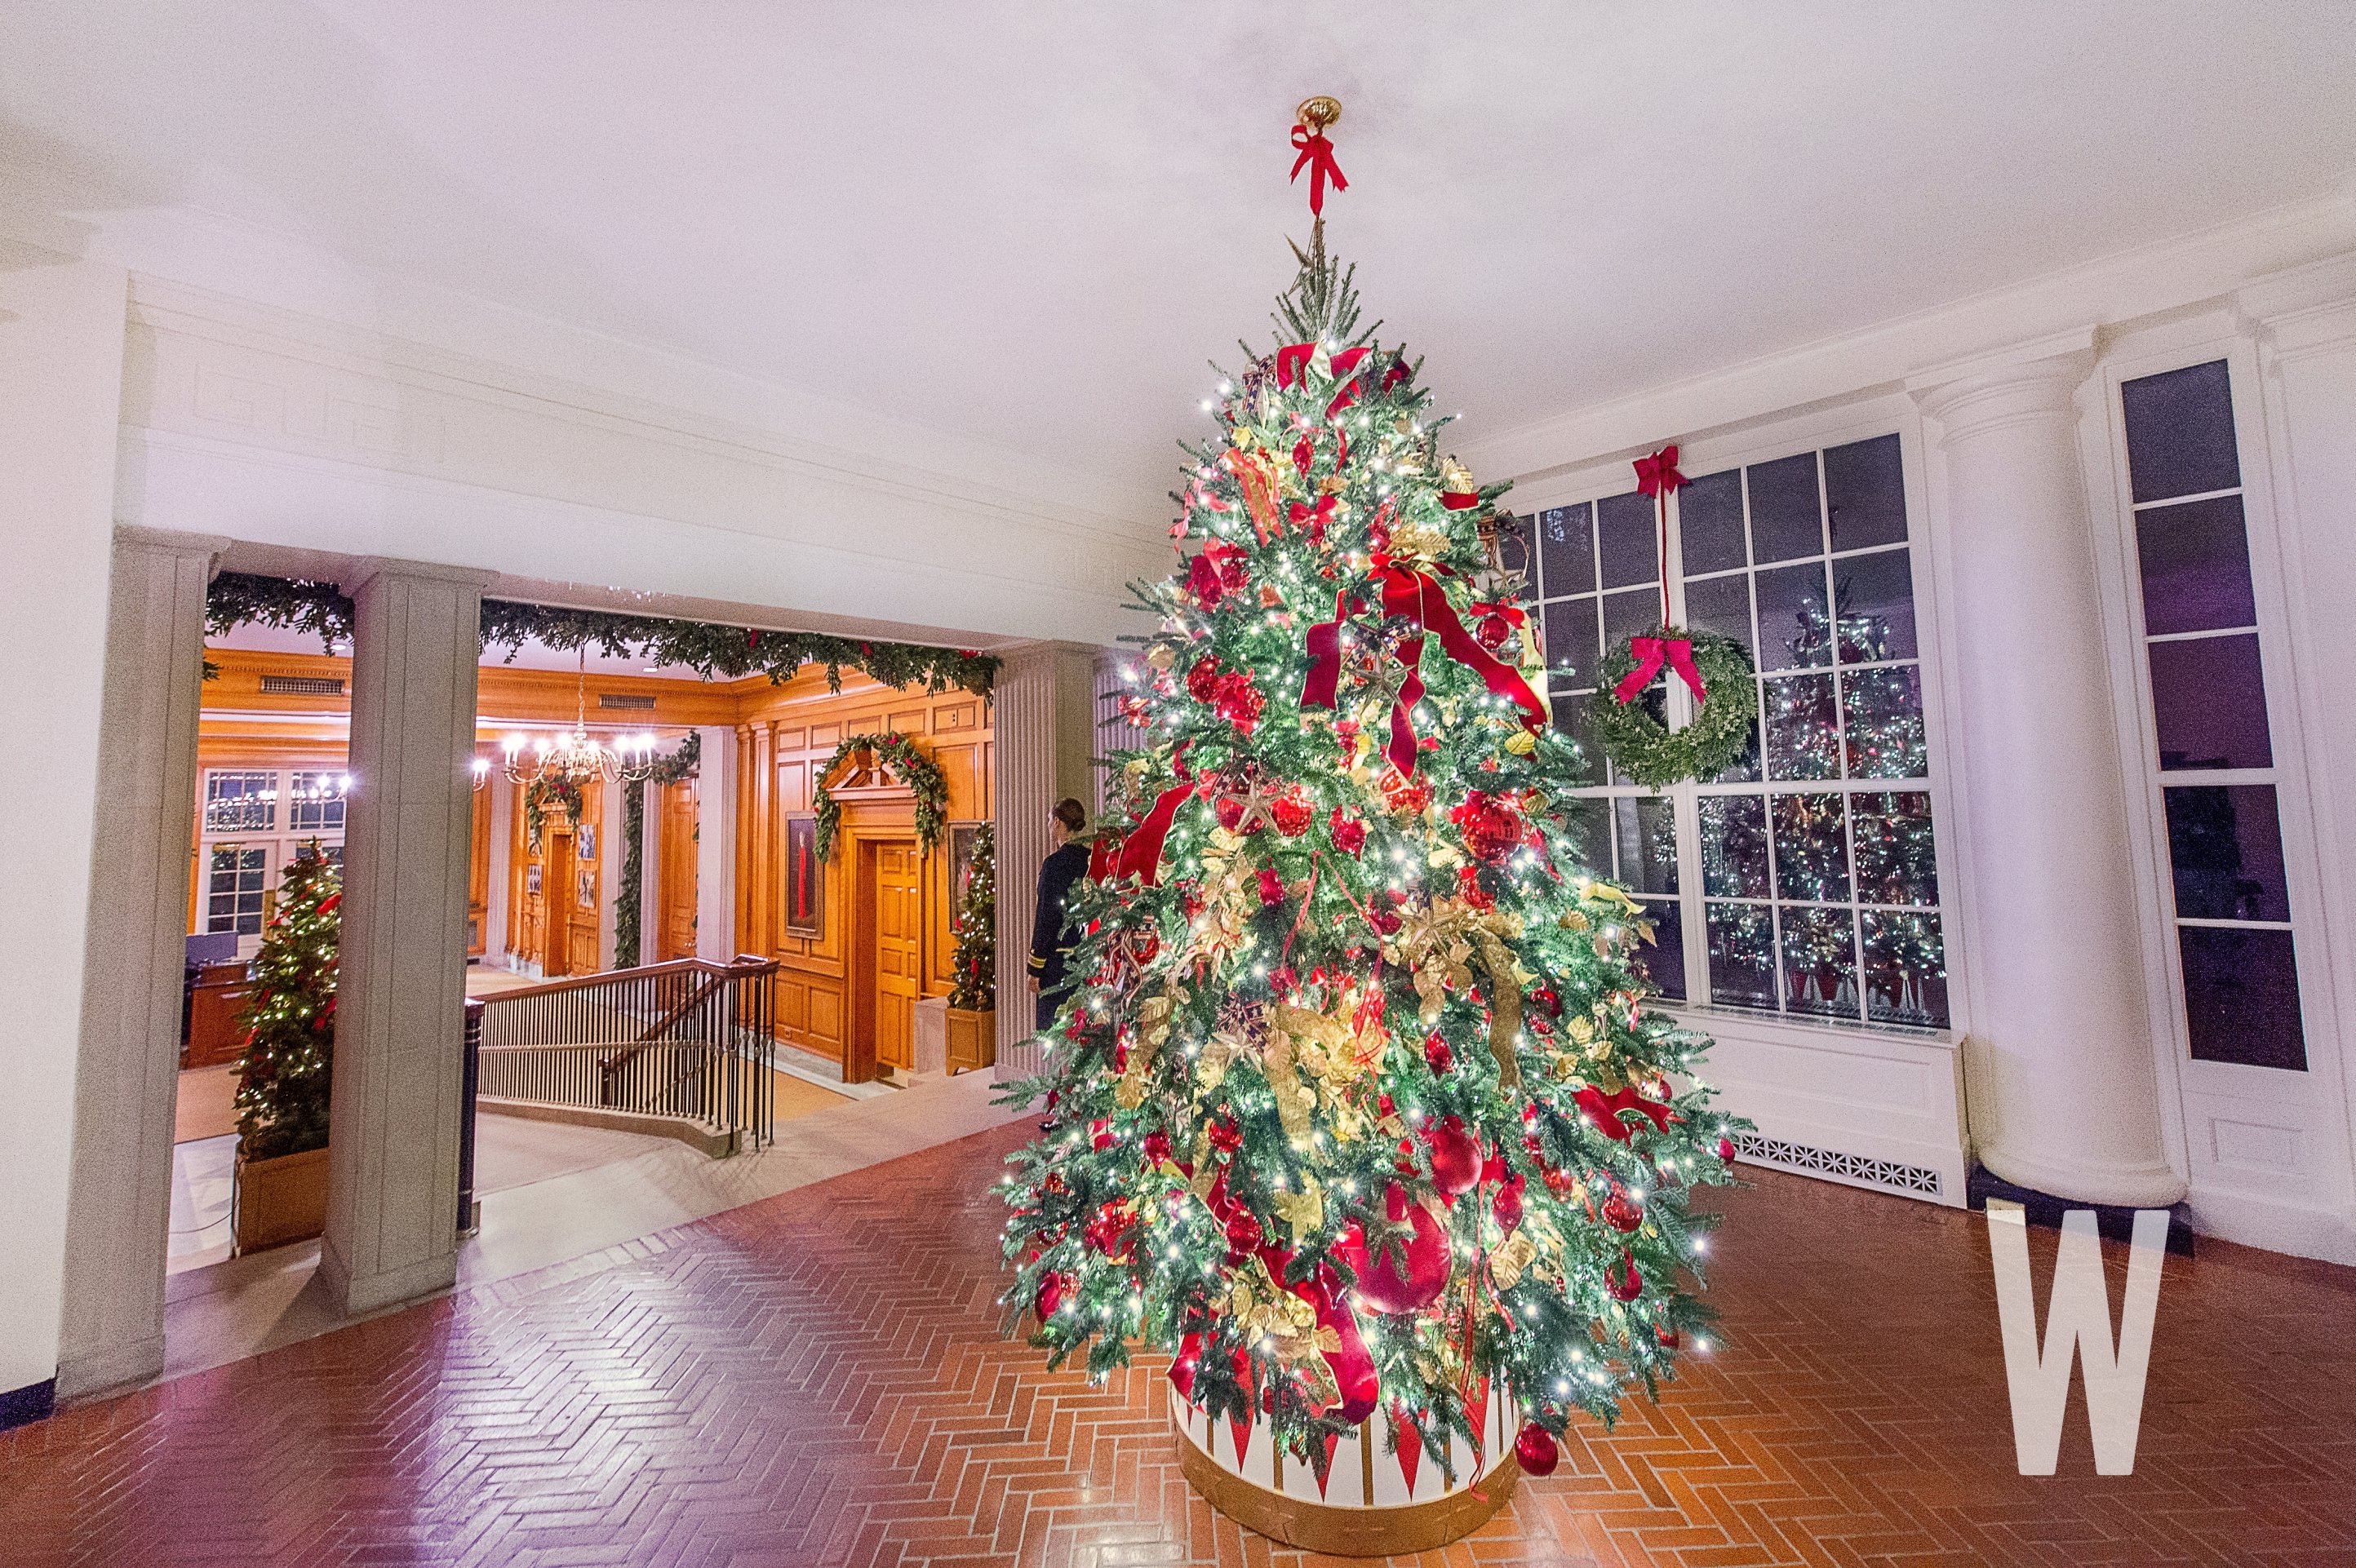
478 878
556 898
899 949
675 886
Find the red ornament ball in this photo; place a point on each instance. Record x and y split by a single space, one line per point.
1294 813
1239 701
1229 812
1348 833
1100 1134
1244 1231
1455 1156
1492 630
1203 680
1507 1204
1669 1338
1492 825
1534 1450
1403 793
1436 1054
1726 1150
1271 887
1157 1146
1052 1289
1622 1280
1403 1277
1620 1213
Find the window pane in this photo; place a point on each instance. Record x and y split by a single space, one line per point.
2208 701
2196 567
1811 847
1875 595
1570 639
1744 769
1795 622
2240 997
1885 723
1513 551
239 802
1566 551
1820 962
1589 824
1865 492
1905 970
2180 433
1897 854
1571 718
1663 960
2225 844
1803 737
1741 956
1734 846
317 802
1646 830
1785 521
1655 699
1710 523
1721 605
1627 537
1627 614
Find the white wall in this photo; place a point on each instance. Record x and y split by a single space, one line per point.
61 375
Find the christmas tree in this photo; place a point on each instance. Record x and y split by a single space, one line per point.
282 1082
1357 1104
974 961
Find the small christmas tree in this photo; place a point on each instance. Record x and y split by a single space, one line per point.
1358 1106
975 931
282 1082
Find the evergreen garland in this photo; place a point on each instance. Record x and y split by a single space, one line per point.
537 795
728 653
974 961
898 753
283 1078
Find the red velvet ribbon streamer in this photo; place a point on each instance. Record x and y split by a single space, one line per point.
1401 750
1324 645
1290 360
1420 598
1652 652
1140 852
1603 1110
1317 158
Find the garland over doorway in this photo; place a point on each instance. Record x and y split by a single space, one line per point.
237 598
896 754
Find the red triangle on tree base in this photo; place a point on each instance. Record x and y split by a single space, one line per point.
1411 1445
1332 1441
1243 1430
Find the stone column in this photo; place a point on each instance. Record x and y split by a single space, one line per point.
393 1183
2059 1058
1043 721
715 844
126 1076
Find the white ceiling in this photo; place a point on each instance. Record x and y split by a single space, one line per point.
1029 225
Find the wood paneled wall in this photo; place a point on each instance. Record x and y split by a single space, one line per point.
823 1003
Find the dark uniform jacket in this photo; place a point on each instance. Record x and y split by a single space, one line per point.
1057 872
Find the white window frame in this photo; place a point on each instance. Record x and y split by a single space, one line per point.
1860 420
281 838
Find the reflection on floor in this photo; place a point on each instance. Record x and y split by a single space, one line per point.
203 1172
207 1106
483 980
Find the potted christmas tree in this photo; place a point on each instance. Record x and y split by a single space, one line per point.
283 1079
973 1001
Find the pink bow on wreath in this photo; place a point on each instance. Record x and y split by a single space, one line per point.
1650 654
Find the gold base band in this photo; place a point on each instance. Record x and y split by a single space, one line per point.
1349 1531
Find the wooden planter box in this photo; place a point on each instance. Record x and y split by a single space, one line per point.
973 1040
281 1200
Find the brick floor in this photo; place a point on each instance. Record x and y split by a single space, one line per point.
818 1379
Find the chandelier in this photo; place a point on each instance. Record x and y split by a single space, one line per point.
576 758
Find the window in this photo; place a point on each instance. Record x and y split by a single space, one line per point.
315 802
1804 880
241 802
2211 738
236 885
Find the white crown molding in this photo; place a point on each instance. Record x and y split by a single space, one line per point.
2153 278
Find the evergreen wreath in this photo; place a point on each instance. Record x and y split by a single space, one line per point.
898 753
1649 751
536 797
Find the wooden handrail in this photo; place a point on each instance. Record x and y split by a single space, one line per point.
608 977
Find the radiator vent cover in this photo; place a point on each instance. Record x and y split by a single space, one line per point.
1883 1173
303 685
638 701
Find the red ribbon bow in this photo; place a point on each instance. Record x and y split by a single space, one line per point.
1650 654
1317 158
1603 1110
1657 474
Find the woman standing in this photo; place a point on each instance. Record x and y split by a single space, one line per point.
1065 864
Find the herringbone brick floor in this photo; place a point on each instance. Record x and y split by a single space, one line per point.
818 1379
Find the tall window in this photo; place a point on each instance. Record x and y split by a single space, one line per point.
254 820
2215 752
240 801
315 802
1804 879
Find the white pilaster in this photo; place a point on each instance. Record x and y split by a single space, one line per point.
2060 1065
1042 719
715 844
495 903
609 874
394 1184
126 1076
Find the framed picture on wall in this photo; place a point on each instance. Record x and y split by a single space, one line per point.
963 836
584 842
585 886
805 878
531 879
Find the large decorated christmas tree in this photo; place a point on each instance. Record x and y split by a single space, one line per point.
1358 1106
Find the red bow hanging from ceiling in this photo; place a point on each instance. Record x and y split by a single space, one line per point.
1317 158
1656 472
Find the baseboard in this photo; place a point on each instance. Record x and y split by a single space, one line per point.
2114 1221
34 1402
2273 1225
118 1366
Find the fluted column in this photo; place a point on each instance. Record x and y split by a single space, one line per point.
399 1044
2060 1060
715 845
1043 720
126 1076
